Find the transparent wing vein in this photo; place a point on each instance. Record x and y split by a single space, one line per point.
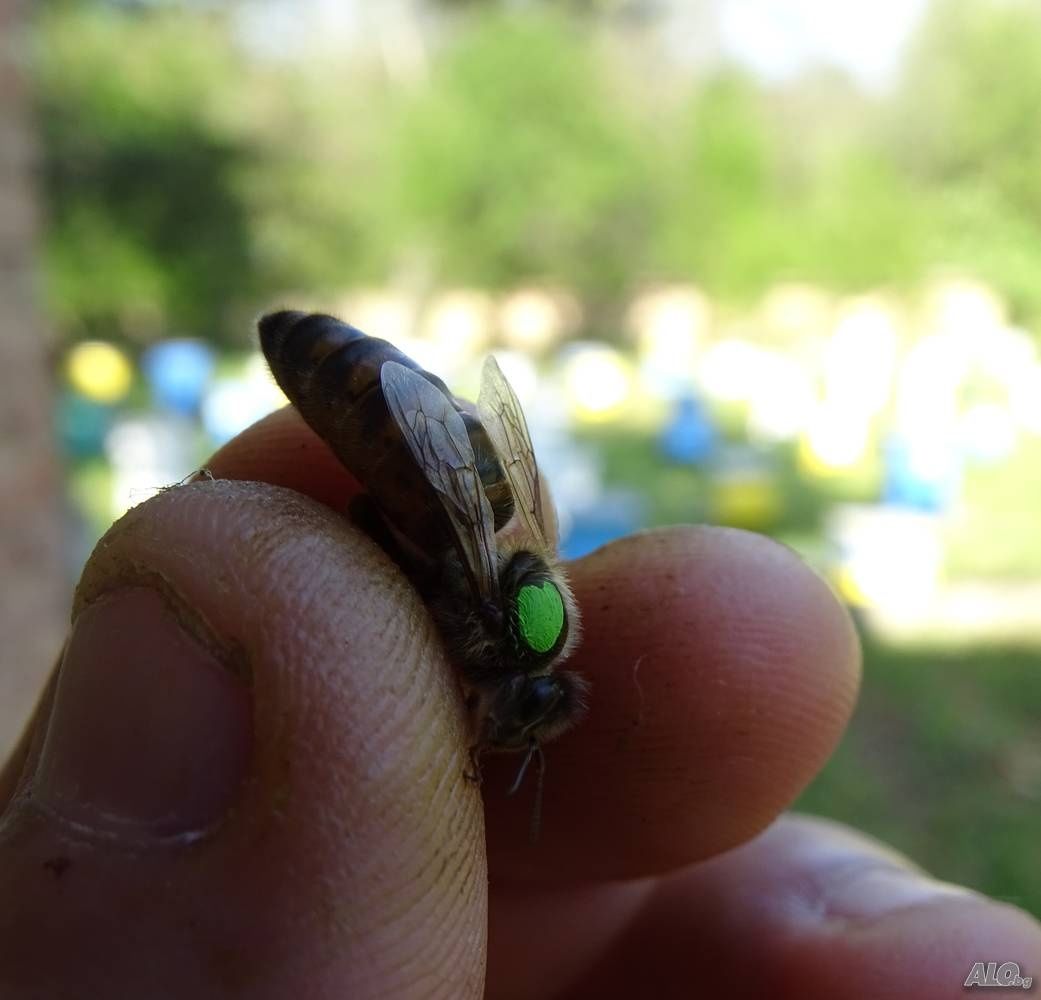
500 412
437 438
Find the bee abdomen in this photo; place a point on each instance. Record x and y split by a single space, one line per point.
302 341
311 352
330 371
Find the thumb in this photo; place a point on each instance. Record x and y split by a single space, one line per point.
249 775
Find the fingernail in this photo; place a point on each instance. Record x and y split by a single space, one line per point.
150 733
873 890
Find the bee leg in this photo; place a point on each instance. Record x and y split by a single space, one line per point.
193 477
475 762
365 514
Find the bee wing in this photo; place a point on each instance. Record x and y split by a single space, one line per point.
500 412
437 438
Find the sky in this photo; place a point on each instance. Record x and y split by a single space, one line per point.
778 38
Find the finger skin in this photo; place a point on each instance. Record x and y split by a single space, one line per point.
351 863
723 673
796 914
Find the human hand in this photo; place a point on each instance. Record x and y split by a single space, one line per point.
247 780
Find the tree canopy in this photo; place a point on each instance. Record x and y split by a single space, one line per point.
189 179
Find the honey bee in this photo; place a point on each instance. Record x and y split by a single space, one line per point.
454 495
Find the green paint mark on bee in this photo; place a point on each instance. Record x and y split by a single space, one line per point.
540 612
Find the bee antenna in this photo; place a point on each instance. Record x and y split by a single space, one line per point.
534 750
536 809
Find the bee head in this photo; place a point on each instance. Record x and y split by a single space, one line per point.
533 709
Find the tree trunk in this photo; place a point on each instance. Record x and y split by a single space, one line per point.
33 589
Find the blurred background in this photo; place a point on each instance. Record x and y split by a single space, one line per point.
766 263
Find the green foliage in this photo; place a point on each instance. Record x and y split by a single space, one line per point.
969 107
746 210
864 225
514 163
995 535
967 132
188 182
724 216
314 189
144 225
942 761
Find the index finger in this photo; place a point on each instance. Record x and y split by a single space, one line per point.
723 673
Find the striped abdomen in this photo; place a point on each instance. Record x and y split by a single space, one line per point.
331 373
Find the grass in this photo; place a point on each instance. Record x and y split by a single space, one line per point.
995 533
943 761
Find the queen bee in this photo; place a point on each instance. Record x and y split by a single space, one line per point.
453 493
